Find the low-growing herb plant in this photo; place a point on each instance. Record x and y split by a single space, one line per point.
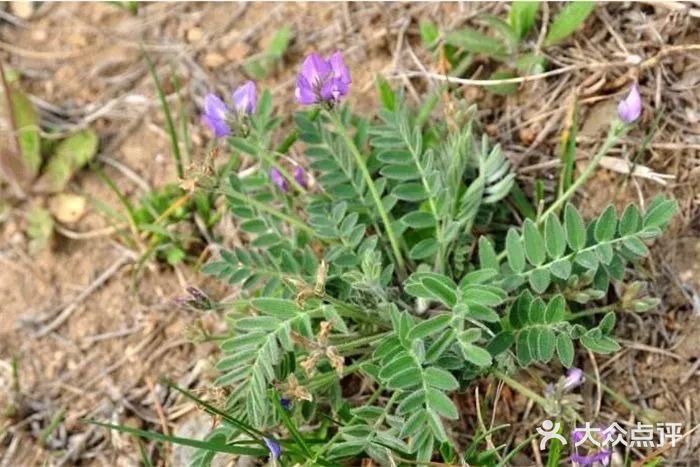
389 273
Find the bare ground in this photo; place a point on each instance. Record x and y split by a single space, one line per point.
82 64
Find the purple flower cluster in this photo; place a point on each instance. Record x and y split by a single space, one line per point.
218 116
323 80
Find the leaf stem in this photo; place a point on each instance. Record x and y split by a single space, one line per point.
360 161
270 210
616 131
520 388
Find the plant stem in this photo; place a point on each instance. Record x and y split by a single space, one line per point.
360 161
590 312
616 130
360 342
520 388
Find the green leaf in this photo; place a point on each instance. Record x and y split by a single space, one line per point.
536 313
440 290
429 327
504 30
659 215
569 19
410 192
406 379
40 227
28 130
554 237
438 401
534 244
424 249
473 41
588 259
386 94
636 246
487 255
599 344
631 221
429 33
277 307
502 89
522 16
606 225
480 276
522 348
440 379
500 343
476 355
546 344
71 154
607 324
561 268
260 65
401 173
515 251
539 280
565 350
575 228
419 220
556 308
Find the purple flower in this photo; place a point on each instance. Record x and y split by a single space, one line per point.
215 116
630 108
278 179
300 176
323 80
245 99
286 403
574 378
589 446
218 116
274 447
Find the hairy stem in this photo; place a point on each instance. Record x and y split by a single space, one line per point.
360 161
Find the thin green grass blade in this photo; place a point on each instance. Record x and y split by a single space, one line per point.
206 445
168 116
252 432
568 155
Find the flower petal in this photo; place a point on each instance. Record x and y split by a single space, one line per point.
245 98
304 93
217 125
630 108
279 180
315 69
340 69
215 107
